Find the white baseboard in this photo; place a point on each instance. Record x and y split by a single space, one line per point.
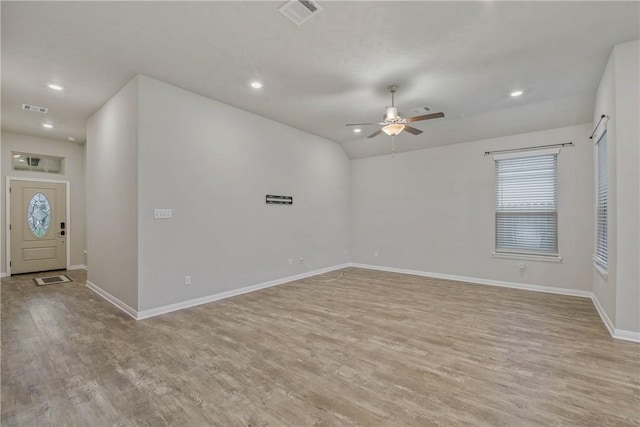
615 333
3 274
113 300
603 315
144 314
77 267
478 281
626 335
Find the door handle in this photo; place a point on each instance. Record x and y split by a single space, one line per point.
62 233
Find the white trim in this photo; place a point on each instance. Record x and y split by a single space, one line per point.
530 257
478 281
626 335
526 153
603 315
600 270
8 215
620 334
3 274
113 300
77 267
222 295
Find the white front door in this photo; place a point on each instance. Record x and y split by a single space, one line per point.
38 226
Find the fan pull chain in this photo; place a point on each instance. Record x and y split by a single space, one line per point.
393 145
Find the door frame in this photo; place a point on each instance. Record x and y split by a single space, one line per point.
8 216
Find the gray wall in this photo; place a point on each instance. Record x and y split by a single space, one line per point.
112 196
213 164
73 172
619 293
433 210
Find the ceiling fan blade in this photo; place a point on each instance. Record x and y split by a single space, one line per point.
360 124
412 130
376 133
425 117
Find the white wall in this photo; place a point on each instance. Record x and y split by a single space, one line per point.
112 196
213 165
432 210
73 172
604 287
618 95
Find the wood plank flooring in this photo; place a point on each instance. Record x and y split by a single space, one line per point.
368 349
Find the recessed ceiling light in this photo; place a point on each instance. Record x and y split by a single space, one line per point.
356 130
256 85
516 93
47 125
71 138
55 87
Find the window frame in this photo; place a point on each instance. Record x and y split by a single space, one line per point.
525 253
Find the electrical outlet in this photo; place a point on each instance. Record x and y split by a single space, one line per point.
290 261
345 251
375 253
301 260
187 280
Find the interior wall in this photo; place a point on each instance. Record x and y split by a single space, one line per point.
433 210
627 89
213 165
604 286
112 196
73 172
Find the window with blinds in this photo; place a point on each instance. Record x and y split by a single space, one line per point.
600 256
527 203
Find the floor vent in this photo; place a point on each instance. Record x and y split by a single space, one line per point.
298 11
52 280
34 108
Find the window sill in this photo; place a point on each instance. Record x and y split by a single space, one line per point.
529 257
601 270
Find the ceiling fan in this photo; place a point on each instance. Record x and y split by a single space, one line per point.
393 123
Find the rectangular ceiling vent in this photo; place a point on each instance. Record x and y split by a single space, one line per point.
421 110
34 108
298 11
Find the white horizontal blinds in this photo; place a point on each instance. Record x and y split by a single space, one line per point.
602 199
527 204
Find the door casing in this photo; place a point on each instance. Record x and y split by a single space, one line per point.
8 216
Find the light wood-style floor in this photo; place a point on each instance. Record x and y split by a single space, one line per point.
369 349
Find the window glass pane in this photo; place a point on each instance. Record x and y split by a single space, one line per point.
39 215
602 202
37 163
526 204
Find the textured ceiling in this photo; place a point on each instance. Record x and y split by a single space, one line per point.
462 58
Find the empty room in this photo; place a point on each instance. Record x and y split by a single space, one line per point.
320 213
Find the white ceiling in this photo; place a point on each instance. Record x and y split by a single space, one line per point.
462 58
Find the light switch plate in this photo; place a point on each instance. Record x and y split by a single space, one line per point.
162 213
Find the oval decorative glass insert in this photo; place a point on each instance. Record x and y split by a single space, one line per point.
39 215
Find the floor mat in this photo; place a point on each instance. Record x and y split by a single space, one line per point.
52 280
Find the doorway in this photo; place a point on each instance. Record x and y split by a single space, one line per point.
38 225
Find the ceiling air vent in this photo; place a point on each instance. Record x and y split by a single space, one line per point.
421 110
298 11
34 109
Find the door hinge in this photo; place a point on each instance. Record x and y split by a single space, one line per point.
9 226
9 189
9 263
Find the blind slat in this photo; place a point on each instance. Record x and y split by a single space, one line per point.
527 205
602 202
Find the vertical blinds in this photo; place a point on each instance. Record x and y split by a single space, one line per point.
527 204
601 205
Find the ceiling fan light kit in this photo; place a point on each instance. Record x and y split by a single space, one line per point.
393 129
393 123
